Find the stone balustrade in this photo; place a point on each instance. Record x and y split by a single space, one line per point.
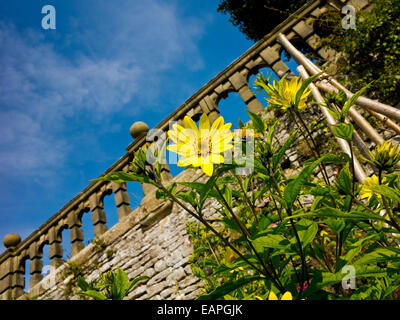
235 78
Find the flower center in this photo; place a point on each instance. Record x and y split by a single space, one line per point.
204 147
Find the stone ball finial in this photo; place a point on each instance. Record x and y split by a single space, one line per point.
138 128
11 240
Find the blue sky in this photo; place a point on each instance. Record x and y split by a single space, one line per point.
68 96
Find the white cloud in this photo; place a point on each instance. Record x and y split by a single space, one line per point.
116 54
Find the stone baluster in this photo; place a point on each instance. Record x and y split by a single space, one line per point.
210 108
76 232
121 198
241 86
55 249
271 55
36 265
98 215
11 270
139 129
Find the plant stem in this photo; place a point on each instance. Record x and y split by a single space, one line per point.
315 148
239 180
289 212
212 229
244 230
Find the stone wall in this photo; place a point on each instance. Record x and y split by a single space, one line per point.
150 241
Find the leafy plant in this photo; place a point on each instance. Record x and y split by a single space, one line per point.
279 236
113 285
371 50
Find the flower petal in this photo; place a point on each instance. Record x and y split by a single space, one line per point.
272 296
207 168
287 296
204 123
190 124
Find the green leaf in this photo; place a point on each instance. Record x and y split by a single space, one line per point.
161 194
241 124
271 132
264 223
321 279
379 255
386 191
293 188
120 285
228 287
135 281
258 123
343 131
188 196
203 189
231 224
335 225
306 83
83 284
120 177
227 192
307 231
274 241
277 157
349 103
355 248
94 294
328 212
344 180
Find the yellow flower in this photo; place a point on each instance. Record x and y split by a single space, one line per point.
249 133
237 269
366 192
325 237
286 296
386 156
201 147
283 93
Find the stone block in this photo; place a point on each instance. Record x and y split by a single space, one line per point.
270 55
76 234
55 250
167 292
176 276
94 202
98 216
237 81
156 288
118 186
303 29
358 4
36 265
255 106
121 197
5 268
5 284
280 66
326 53
160 266
313 41
246 94
123 211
